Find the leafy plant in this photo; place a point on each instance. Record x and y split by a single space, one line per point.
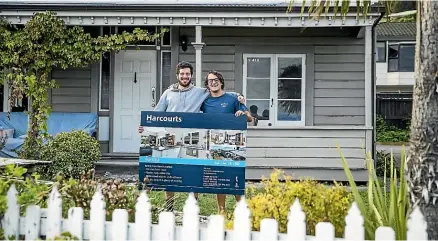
320 203
28 55
385 133
383 209
383 164
72 154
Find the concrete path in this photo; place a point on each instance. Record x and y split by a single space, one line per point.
396 150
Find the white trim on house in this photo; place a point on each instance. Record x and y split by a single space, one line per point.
236 19
273 95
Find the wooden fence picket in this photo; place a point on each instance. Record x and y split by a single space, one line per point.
296 225
354 229
11 221
97 216
324 231
417 226
166 224
242 222
75 221
32 229
190 229
48 222
385 233
216 228
143 218
269 229
119 230
54 214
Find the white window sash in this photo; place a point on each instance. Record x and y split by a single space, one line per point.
273 108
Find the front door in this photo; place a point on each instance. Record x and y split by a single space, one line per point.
134 85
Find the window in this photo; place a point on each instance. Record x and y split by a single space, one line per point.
401 57
381 52
165 40
105 82
166 68
274 86
105 67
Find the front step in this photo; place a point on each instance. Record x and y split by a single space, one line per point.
119 156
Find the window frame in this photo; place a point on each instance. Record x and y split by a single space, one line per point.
385 46
398 44
273 110
161 69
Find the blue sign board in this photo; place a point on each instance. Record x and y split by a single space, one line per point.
193 152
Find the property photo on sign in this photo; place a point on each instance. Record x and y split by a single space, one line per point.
193 152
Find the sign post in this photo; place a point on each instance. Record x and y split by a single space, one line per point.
193 152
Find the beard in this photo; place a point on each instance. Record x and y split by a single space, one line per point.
183 84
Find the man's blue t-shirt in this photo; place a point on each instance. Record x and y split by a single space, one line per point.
225 103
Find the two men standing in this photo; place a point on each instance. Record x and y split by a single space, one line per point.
185 97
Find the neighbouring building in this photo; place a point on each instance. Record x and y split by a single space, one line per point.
395 63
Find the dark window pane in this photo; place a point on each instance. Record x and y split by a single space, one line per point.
105 82
93 31
392 65
289 89
258 88
166 68
380 52
259 67
289 68
150 29
393 51
166 37
258 108
289 110
108 30
407 58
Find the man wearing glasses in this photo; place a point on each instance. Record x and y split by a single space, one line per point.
221 102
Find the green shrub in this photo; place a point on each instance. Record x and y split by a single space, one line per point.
320 203
385 133
71 153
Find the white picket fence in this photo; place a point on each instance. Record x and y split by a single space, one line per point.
49 222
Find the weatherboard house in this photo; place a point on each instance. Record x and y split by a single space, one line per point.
309 82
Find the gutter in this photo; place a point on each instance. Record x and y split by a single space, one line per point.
373 81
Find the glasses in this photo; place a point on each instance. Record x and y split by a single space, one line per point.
213 80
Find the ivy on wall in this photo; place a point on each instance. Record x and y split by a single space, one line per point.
29 53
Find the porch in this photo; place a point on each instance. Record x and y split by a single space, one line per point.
333 104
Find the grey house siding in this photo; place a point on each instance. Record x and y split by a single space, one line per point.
74 92
340 83
338 67
335 96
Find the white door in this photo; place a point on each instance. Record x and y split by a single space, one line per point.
134 84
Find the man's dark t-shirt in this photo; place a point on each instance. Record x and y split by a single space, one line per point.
225 103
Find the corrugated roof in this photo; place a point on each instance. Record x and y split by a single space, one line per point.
391 29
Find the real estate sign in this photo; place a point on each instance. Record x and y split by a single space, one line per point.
193 152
